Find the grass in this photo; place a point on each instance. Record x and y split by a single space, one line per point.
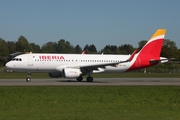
90 103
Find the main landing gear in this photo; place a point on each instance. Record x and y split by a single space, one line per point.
89 79
79 79
28 79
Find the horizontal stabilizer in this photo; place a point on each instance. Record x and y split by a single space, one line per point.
161 60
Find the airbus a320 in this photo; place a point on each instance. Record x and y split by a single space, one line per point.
77 65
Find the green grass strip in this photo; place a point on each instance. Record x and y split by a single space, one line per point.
90 103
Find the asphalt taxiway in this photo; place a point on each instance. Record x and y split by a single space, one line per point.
96 82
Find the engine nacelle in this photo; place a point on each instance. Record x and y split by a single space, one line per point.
71 73
55 74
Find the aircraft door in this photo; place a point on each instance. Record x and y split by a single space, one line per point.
30 60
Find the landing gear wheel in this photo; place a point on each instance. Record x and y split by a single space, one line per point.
28 79
89 79
79 79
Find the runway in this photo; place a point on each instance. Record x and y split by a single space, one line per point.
96 82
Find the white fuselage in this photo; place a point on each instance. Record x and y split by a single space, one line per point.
56 62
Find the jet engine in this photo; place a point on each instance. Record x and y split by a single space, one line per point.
71 73
55 74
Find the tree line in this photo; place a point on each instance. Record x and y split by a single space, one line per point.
169 50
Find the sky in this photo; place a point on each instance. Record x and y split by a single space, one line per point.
98 22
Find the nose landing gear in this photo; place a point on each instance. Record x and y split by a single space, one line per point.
28 79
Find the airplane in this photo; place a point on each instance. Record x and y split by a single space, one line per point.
77 65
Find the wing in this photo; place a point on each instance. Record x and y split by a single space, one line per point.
103 65
90 67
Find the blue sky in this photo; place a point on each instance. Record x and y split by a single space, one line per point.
98 22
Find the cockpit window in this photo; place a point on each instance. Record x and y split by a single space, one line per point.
17 59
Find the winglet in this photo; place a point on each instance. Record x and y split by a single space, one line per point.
132 55
83 52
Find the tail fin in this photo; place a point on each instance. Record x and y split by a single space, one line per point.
149 55
154 45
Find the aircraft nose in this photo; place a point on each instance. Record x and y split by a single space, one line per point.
8 65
